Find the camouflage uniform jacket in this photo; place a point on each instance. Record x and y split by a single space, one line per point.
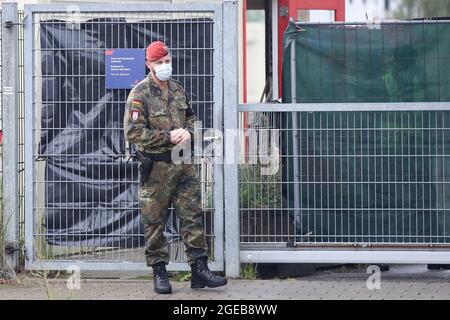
151 113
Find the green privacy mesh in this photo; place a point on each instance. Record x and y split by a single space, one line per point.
390 62
378 177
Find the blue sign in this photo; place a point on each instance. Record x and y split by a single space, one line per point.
124 68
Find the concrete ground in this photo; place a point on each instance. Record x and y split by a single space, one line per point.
401 282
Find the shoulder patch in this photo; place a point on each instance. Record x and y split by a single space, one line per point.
135 115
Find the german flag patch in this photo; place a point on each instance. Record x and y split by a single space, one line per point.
137 103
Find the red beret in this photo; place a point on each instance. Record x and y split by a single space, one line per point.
156 50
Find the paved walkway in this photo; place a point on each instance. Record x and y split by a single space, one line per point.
401 282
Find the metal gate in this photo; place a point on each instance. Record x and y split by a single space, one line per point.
82 209
360 181
346 149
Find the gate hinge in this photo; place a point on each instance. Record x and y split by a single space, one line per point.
10 24
21 22
283 11
11 247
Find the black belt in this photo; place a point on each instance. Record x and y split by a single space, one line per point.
156 157
163 157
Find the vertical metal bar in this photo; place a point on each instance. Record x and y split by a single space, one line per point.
10 128
29 139
295 143
1 155
217 182
230 100
21 131
275 83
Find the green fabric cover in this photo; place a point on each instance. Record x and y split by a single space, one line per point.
377 177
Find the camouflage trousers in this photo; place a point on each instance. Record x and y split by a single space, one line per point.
177 184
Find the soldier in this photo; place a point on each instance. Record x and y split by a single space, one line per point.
158 116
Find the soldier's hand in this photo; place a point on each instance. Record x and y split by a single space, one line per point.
179 136
186 136
175 136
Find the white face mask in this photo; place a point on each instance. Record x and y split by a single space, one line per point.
163 71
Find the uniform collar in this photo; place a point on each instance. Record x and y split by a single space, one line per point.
154 87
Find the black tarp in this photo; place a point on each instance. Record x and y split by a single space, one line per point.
91 190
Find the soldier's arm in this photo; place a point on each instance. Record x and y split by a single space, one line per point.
137 130
190 118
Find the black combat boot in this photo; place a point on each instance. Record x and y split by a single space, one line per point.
202 277
438 266
160 278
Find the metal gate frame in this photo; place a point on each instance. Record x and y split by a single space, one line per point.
327 253
359 253
10 97
322 253
225 14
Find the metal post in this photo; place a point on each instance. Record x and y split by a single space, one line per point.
275 90
10 133
218 124
29 138
295 137
230 94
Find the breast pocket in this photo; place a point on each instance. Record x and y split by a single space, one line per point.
160 119
181 108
